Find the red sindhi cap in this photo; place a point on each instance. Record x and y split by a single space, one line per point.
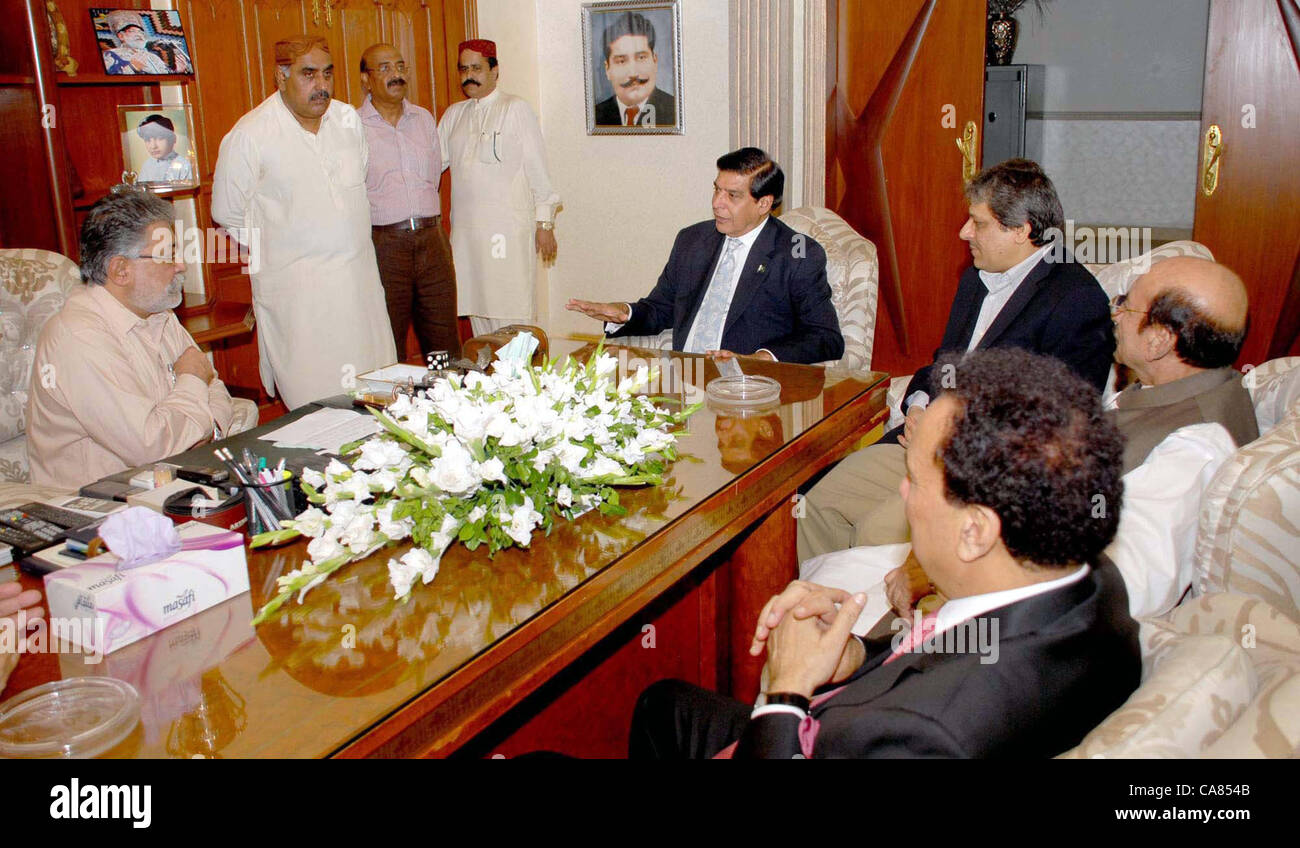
486 49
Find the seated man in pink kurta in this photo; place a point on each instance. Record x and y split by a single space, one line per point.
117 381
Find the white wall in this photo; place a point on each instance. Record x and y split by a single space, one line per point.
1143 60
1118 55
624 198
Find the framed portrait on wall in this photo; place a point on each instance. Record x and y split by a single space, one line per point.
158 146
141 41
633 60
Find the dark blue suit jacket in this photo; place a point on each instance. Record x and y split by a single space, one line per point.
782 302
1059 310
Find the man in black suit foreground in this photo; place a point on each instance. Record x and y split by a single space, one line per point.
1023 290
1001 474
743 283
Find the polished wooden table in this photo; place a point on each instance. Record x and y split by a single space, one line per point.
540 648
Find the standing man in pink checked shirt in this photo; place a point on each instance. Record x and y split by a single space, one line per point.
414 257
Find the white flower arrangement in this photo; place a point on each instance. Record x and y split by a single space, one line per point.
485 459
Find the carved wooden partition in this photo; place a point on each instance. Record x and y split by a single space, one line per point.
905 79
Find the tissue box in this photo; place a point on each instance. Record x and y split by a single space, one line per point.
116 608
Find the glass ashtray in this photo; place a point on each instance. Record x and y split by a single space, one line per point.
68 719
746 391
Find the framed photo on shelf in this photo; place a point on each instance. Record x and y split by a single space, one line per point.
158 146
141 41
632 53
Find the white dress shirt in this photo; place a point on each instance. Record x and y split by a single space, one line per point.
1001 286
1153 547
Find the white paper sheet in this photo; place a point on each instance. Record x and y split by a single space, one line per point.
324 430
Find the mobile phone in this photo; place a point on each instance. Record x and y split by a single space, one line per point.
206 475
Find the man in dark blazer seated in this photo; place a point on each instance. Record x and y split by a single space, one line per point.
743 283
632 68
1001 471
1024 289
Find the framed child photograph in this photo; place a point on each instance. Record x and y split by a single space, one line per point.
632 54
157 146
141 41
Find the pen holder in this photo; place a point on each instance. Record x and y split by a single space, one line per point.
267 503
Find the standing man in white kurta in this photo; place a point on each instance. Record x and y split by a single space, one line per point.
293 171
502 202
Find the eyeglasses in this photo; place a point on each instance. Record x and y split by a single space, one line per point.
388 67
1117 305
161 258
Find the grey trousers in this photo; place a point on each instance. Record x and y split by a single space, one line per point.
857 503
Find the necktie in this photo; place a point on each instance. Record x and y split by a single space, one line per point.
809 726
631 115
706 330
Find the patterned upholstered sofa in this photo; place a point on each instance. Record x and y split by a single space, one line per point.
854 276
33 286
1221 674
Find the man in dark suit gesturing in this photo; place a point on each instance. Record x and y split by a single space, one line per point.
1024 290
1034 647
743 283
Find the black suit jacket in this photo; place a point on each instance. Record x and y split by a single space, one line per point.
1066 660
782 302
608 112
1059 310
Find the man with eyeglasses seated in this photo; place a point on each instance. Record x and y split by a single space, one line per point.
405 212
117 381
1178 330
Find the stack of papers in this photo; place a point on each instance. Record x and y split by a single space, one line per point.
325 430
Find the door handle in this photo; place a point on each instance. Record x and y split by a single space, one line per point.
967 144
1214 148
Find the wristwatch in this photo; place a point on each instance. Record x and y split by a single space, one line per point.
545 225
790 699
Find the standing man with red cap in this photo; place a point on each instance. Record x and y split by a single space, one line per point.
502 202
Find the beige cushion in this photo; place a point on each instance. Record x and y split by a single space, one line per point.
1270 725
854 276
1274 388
1197 686
33 286
1221 678
1117 277
1248 539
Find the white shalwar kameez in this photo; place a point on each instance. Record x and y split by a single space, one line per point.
321 318
500 189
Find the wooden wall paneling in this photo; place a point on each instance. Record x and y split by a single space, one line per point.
270 21
224 68
409 26
89 117
1252 221
893 167
359 25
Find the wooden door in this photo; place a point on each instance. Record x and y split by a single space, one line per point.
906 77
1252 220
